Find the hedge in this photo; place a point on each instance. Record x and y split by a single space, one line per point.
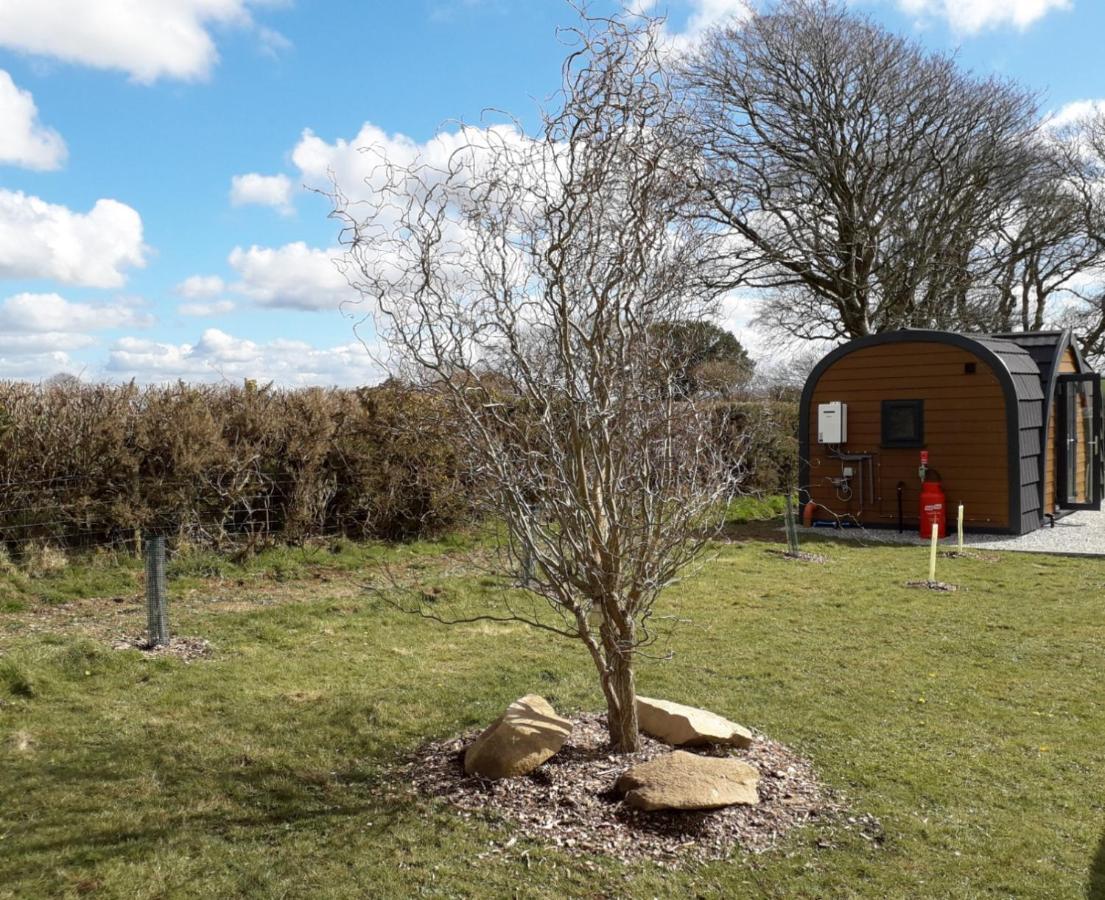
89 464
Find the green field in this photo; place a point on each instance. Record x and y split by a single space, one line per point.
971 724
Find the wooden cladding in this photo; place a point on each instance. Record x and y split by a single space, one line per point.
1068 365
965 433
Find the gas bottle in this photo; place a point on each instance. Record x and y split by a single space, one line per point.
933 507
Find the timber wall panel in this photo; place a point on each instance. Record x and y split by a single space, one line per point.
1067 366
965 426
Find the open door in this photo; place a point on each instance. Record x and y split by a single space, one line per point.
1079 462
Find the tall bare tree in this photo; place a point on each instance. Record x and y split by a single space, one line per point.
535 283
1084 142
856 171
1038 249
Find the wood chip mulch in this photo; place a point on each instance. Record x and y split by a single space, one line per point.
801 556
570 802
968 554
183 648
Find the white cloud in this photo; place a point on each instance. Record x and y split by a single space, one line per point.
373 164
218 308
147 39
24 141
972 16
218 355
200 290
359 173
273 43
703 15
51 314
44 240
262 190
736 313
35 366
196 287
1074 112
37 330
294 276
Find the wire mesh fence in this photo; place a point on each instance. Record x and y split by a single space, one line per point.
157 602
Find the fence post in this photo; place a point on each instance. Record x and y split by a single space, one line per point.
157 603
791 527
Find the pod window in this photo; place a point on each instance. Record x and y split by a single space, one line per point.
903 423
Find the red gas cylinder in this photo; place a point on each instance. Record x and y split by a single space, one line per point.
932 509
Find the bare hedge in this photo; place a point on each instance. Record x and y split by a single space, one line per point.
768 432
85 465
88 464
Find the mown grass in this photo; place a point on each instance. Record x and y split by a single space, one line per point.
101 573
971 724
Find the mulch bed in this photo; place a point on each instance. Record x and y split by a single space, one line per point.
968 554
184 648
801 556
570 802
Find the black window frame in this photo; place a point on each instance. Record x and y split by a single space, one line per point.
918 409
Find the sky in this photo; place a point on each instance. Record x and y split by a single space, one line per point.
160 159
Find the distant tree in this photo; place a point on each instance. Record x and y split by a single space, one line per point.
62 381
856 171
1038 248
1085 147
785 376
559 264
705 356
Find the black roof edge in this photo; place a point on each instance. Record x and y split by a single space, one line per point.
913 335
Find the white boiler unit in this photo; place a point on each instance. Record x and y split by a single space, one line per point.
832 423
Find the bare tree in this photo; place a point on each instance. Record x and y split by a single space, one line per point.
856 171
1039 246
534 283
785 376
1084 143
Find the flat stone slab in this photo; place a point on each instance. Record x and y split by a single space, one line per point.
681 780
517 742
680 725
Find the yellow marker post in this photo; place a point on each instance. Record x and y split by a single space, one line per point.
960 527
932 554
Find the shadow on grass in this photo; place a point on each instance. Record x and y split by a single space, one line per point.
1095 890
257 799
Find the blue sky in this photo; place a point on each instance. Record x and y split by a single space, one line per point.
127 248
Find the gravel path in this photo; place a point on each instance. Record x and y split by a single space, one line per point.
1078 534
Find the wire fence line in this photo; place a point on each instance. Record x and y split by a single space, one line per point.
81 512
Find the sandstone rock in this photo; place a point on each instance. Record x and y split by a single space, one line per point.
681 780
680 725
517 742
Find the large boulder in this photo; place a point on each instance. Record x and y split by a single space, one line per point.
517 742
680 725
681 780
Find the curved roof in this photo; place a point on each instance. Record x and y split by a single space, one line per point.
1046 349
1023 387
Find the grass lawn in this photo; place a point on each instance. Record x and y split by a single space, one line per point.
971 724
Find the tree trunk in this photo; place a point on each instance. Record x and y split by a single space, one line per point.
621 704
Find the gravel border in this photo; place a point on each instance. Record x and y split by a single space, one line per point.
1081 533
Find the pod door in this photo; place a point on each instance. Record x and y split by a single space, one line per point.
1079 462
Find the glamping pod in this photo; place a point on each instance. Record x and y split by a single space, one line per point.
1009 424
